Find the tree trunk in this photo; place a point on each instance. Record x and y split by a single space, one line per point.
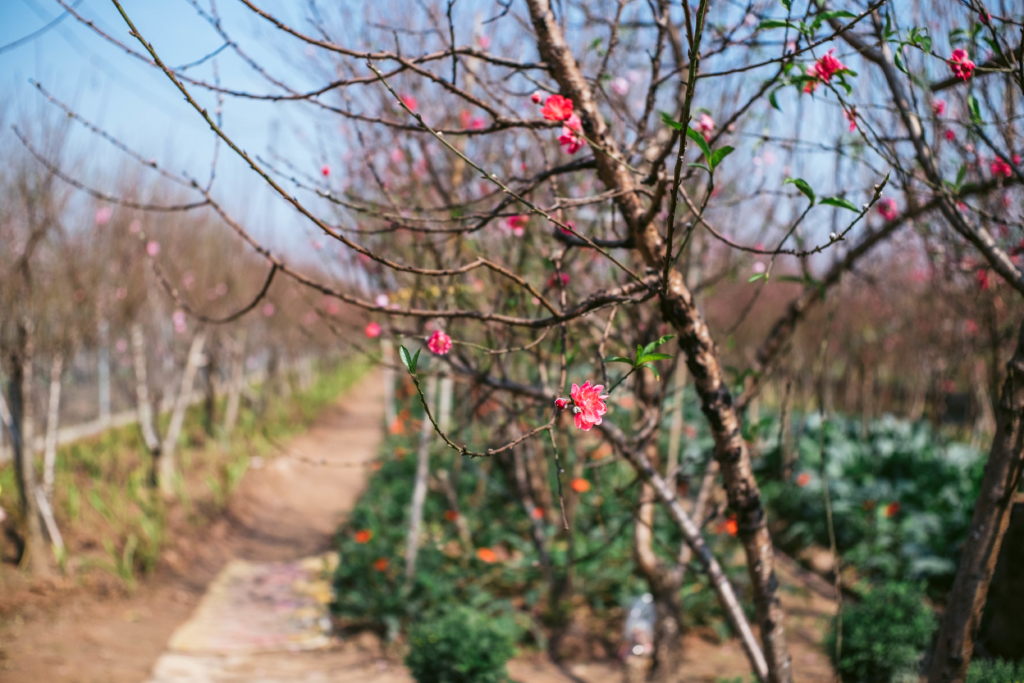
52 420
209 390
679 309
22 436
166 464
960 621
103 371
419 492
143 402
664 584
235 387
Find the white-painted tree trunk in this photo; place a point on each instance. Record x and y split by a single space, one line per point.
235 388
52 419
419 492
143 402
103 370
166 469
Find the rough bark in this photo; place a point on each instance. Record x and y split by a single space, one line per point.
966 602
679 309
419 491
36 557
166 465
52 419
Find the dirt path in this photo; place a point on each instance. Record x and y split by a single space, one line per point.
285 510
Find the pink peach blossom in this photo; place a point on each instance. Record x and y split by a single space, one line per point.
153 248
557 108
372 330
887 209
571 138
960 64
439 343
939 107
325 170
1000 167
517 224
705 125
588 405
823 70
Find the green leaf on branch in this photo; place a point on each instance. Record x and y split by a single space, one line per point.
975 109
618 359
719 154
653 345
776 23
758 276
409 360
829 15
841 203
788 4
801 185
897 58
700 141
670 122
773 101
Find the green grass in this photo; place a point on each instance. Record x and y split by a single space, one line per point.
110 517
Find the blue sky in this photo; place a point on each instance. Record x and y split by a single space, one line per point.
133 101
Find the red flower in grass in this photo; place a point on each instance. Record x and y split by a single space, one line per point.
892 509
381 564
451 515
580 485
486 555
803 480
960 64
729 526
439 343
363 536
557 108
